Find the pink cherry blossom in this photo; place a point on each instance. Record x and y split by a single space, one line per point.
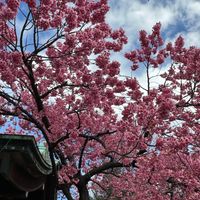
115 135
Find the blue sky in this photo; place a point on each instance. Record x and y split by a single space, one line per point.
178 17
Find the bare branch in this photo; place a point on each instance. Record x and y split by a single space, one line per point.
61 139
81 154
64 84
66 190
102 168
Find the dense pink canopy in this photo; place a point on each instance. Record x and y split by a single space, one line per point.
116 137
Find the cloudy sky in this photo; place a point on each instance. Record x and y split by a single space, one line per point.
178 17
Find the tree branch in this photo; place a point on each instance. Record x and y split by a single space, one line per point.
66 190
61 86
102 168
81 154
61 139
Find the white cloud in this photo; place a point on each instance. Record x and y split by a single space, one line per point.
135 15
192 39
178 17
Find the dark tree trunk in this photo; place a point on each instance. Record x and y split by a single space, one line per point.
83 191
50 188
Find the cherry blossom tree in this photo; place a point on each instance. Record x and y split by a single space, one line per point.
58 82
168 115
